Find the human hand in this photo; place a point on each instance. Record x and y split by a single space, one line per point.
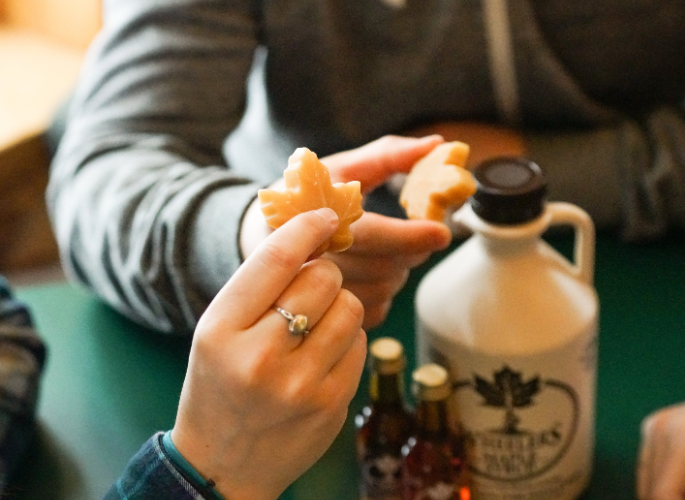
376 266
661 464
259 404
485 140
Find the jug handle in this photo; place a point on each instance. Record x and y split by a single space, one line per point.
561 213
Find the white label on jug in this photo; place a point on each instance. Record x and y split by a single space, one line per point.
529 420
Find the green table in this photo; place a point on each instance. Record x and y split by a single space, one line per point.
110 384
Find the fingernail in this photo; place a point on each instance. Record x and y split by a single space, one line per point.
433 137
327 214
443 238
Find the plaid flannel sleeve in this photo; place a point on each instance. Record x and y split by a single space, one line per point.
22 358
152 472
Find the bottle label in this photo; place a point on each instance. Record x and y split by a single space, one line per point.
418 488
381 478
439 491
528 420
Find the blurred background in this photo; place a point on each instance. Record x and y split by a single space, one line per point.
42 46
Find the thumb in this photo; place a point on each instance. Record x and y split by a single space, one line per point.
377 161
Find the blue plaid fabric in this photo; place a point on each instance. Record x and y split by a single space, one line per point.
153 475
22 358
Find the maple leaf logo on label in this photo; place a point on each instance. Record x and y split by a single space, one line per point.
308 187
508 392
440 491
381 477
539 423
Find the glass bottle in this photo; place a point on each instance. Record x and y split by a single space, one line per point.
434 464
515 324
385 424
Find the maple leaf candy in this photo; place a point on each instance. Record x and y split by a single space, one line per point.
308 187
438 181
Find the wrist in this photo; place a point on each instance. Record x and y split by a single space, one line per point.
226 475
206 484
253 228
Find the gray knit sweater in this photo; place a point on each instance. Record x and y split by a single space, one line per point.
162 153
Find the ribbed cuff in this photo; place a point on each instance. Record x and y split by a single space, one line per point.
185 466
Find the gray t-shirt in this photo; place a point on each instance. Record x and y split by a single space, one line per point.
185 108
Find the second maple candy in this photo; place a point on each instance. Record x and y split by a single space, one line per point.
438 181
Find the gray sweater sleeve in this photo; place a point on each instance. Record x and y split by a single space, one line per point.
626 168
629 175
145 210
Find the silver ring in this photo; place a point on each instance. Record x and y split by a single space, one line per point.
297 324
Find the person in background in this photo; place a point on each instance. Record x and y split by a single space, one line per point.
661 461
185 108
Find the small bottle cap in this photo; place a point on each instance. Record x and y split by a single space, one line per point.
509 190
431 383
387 356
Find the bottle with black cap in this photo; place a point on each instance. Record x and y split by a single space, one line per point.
515 323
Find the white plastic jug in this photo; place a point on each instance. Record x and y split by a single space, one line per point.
515 323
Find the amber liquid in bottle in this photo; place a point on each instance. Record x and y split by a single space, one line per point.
434 466
384 425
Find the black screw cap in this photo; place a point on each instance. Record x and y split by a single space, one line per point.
509 191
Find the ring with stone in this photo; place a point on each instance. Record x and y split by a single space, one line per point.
297 323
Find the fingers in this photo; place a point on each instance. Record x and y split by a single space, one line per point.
644 461
273 265
311 293
646 475
670 483
373 293
377 161
377 298
376 270
344 376
661 464
377 265
332 336
486 140
380 235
